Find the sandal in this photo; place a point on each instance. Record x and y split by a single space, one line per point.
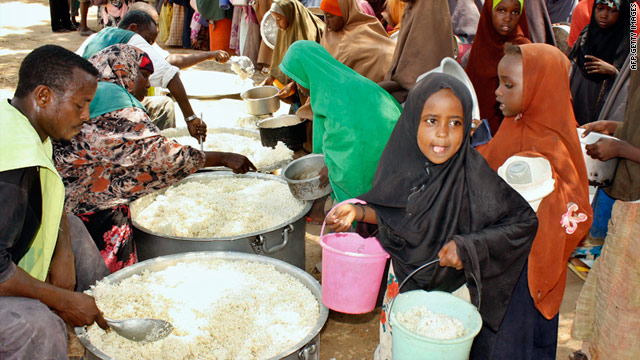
579 268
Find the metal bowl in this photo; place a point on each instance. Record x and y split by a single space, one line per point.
307 348
262 100
269 30
300 184
289 129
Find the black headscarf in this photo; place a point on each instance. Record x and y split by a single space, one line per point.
421 206
610 45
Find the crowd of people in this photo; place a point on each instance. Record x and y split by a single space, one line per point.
81 140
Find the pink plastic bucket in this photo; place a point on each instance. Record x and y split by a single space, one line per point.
352 268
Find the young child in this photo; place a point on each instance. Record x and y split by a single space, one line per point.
500 22
535 99
434 196
599 53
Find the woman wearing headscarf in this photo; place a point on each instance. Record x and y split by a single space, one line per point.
608 308
430 203
350 127
501 22
356 39
535 98
295 22
120 155
425 39
599 53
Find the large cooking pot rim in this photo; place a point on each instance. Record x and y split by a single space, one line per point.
222 174
163 262
288 120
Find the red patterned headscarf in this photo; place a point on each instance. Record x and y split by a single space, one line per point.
120 63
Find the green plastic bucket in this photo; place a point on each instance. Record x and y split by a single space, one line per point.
407 345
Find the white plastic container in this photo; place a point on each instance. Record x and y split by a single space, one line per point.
600 173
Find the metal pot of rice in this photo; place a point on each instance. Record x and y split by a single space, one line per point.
228 327
218 211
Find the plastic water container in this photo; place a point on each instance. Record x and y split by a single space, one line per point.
600 173
352 269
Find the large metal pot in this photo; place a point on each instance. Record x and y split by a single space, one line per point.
289 129
284 241
261 100
303 179
307 349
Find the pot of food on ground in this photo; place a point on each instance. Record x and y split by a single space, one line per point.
221 211
289 129
223 305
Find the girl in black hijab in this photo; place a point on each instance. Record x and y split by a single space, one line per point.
598 55
434 196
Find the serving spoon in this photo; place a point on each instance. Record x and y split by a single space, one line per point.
143 330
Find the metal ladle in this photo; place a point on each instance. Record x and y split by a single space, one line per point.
144 330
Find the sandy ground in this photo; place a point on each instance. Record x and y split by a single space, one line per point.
24 25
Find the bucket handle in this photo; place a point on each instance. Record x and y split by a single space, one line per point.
348 201
420 268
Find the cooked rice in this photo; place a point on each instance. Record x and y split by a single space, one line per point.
262 157
220 309
423 321
216 208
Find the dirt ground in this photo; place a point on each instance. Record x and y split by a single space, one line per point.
24 25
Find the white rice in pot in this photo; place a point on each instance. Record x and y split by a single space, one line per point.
216 208
262 157
220 309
